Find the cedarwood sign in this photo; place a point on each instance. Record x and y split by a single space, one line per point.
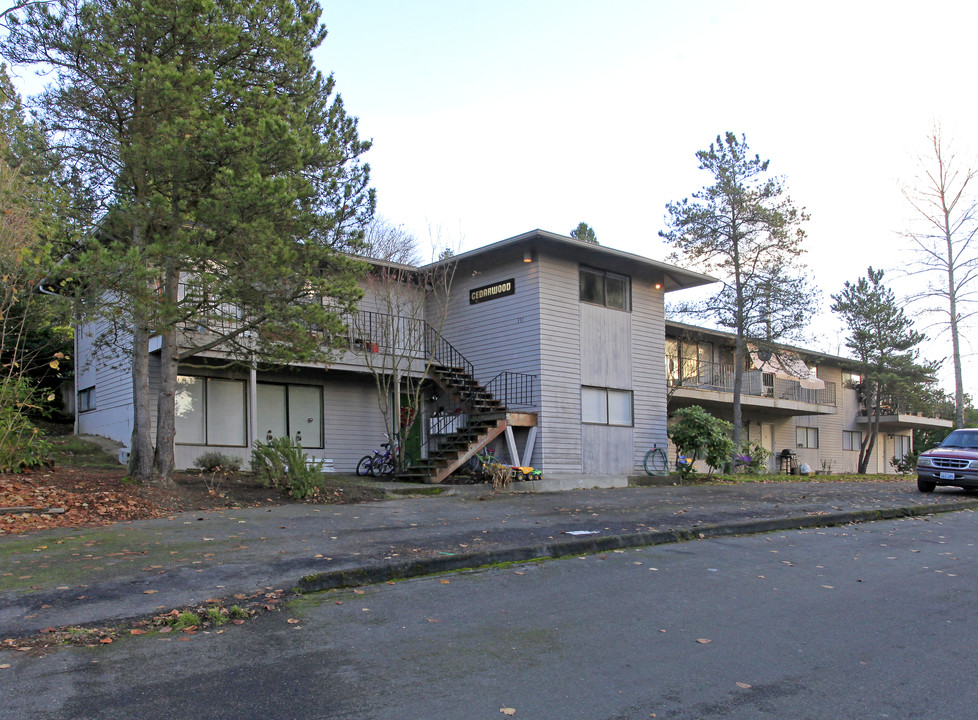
491 292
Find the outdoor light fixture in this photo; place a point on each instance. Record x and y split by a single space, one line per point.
658 286
527 256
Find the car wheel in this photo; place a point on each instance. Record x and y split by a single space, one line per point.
926 486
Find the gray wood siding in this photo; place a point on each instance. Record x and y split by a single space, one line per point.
606 347
497 335
352 422
648 369
560 382
607 450
354 425
105 366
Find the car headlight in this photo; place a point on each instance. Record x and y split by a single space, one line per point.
924 462
973 465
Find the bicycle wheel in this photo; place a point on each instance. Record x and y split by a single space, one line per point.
377 466
655 462
364 466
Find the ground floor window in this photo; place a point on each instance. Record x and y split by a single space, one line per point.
851 439
211 411
605 406
86 399
294 411
806 437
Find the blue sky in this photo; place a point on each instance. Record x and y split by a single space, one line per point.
493 118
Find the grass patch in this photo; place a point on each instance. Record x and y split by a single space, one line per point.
773 477
73 451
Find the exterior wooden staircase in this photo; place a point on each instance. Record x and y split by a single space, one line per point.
478 420
475 416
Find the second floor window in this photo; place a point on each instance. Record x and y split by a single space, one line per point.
599 287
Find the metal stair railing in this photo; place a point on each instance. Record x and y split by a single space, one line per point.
378 332
513 389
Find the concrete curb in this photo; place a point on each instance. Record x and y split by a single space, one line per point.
109 599
401 570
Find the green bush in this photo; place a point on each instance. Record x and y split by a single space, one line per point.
215 462
698 435
22 445
281 463
753 458
907 464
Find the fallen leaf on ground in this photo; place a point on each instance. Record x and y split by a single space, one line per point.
292 621
743 685
703 641
507 711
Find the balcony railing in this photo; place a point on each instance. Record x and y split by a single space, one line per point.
896 405
720 378
413 337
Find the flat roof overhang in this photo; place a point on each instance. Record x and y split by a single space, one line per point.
671 276
903 421
684 397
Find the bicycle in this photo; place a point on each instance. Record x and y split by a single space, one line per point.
381 463
478 462
656 462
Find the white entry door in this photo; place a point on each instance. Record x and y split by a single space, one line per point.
767 442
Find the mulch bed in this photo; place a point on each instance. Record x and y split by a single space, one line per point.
99 496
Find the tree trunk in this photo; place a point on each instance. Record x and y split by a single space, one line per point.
738 384
955 339
163 462
872 430
140 446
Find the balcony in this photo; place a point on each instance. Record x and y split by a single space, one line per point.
897 413
711 384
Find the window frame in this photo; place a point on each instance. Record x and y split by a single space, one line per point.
807 442
603 276
86 399
206 380
321 440
607 419
848 438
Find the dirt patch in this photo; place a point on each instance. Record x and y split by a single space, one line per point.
86 496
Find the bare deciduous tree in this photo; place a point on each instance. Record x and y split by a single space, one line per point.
398 338
946 207
386 241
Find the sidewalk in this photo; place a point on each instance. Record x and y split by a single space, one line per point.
102 575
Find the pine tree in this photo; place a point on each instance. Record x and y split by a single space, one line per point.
883 341
226 173
744 230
